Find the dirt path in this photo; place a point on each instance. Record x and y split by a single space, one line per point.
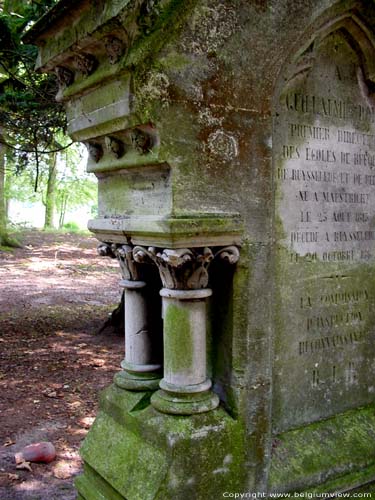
55 293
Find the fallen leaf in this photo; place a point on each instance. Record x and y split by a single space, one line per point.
24 465
13 477
62 470
8 442
97 362
50 394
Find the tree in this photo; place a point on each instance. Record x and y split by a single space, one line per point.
74 186
4 239
29 115
50 203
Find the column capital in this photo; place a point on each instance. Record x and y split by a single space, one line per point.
130 268
185 268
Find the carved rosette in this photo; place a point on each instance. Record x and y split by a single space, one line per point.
185 269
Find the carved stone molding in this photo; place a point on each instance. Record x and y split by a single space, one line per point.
141 141
105 250
65 76
114 146
86 63
95 151
115 48
185 269
130 268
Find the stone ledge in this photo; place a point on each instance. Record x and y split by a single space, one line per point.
337 454
171 232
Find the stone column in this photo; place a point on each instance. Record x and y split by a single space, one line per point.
185 387
141 366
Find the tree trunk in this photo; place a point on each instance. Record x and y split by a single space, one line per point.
116 320
49 222
64 202
3 215
5 239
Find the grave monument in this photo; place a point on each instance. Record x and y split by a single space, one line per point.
234 146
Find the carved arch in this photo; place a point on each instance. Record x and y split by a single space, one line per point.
358 34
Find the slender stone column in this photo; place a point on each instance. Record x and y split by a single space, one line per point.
141 366
185 387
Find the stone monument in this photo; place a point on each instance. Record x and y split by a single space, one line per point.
234 146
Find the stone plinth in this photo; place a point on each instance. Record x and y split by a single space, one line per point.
234 146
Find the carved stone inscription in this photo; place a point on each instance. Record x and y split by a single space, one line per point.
324 156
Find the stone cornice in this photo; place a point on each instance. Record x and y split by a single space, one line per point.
168 232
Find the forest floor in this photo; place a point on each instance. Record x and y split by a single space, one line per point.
55 295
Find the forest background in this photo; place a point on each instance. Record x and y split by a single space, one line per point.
39 166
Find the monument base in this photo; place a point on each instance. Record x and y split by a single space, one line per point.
333 455
133 452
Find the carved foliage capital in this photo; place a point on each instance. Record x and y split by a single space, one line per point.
95 151
179 269
185 268
130 269
229 254
105 250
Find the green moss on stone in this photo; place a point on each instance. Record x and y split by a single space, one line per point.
330 450
147 455
178 341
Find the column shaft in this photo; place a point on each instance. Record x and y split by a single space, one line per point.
140 369
185 386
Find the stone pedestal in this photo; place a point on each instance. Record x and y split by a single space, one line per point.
150 455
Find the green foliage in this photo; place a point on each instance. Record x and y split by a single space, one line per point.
71 226
74 187
29 114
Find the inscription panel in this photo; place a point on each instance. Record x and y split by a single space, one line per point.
324 180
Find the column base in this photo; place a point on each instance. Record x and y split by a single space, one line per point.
184 404
142 381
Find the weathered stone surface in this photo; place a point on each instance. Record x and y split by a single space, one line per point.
324 150
247 123
173 457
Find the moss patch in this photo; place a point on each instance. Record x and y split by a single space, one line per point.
178 342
